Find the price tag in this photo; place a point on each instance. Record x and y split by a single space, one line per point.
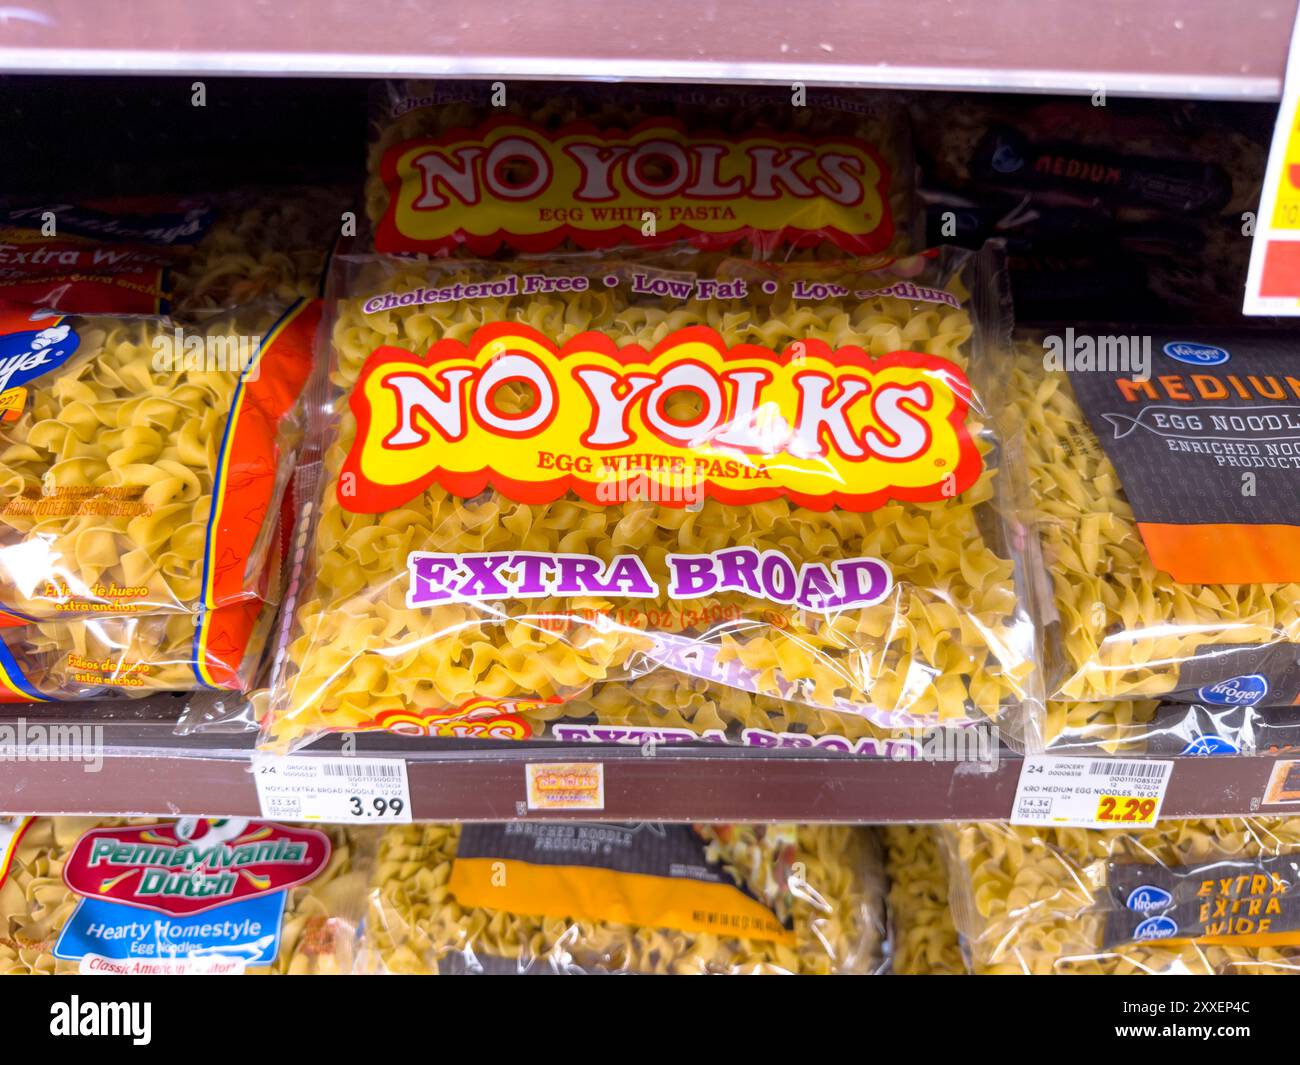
352 791
1090 792
1273 283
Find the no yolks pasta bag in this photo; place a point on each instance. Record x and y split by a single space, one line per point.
1164 476
454 167
609 898
214 896
142 462
922 936
776 480
1183 897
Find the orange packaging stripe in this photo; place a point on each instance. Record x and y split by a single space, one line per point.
594 894
252 452
222 642
1257 939
1224 554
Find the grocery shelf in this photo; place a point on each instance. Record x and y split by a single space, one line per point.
148 769
1214 49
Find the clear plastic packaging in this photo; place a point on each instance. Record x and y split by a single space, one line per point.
142 462
265 245
186 255
751 548
1196 595
91 658
569 897
923 939
1184 897
1173 728
115 897
1117 725
764 172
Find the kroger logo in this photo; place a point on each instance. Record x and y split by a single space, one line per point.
1196 354
1148 897
1159 927
1210 745
1235 691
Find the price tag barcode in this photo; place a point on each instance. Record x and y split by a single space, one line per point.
367 770
359 791
1128 769
1090 792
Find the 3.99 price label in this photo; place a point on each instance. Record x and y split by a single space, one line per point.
1090 792
356 791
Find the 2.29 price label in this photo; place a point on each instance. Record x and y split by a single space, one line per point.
1127 809
1114 793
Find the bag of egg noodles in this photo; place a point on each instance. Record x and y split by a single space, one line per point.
544 477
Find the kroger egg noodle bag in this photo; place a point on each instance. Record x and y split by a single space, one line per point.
921 930
757 170
1169 508
1182 897
1174 728
641 898
539 478
142 463
193 896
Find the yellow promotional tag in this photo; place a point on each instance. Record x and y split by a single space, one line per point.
565 786
12 403
1273 283
1127 810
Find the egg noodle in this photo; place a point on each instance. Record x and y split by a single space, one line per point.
543 477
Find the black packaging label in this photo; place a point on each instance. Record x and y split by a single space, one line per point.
1200 729
651 875
1203 428
1241 675
1231 902
1005 158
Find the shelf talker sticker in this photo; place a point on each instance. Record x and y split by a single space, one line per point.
1090 792
349 791
1283 783
565 785
1273 281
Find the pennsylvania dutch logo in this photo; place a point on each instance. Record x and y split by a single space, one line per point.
193 864
743 424
509 182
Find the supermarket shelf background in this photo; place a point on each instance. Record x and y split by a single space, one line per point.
1204 49
147 769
